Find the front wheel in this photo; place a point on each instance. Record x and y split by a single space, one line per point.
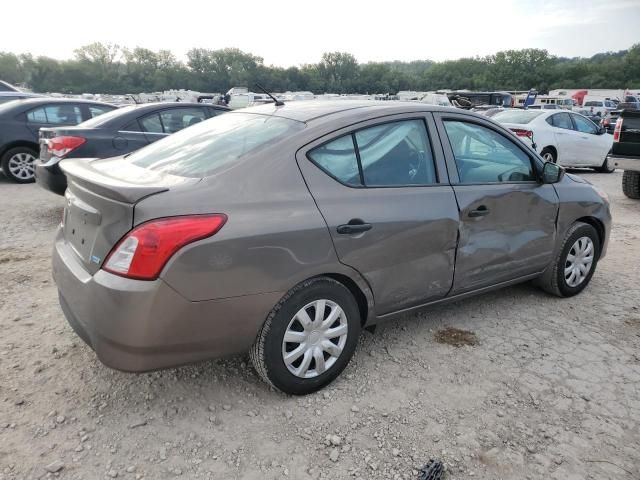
308 338
575 264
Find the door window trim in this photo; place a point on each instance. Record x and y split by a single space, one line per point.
440 117
350 131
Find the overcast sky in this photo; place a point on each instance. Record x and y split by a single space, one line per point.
288 33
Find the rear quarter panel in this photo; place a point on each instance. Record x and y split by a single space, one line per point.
274 237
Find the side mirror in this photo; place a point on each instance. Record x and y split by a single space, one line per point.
552 172
602 130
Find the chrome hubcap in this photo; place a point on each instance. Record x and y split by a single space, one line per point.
579 262
315 338
21 166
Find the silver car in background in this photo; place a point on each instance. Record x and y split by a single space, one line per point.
285 230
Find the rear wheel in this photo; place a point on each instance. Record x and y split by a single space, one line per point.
574 265
308 338
548 155
19 164
631 184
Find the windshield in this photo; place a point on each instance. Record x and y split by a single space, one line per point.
200 150
105 117
516 116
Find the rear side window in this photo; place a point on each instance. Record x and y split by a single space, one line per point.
560 120
339 159
209 146
593 104
388 155
151 123
96 110
176 119
63 114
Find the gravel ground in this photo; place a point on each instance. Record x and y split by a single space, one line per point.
546 388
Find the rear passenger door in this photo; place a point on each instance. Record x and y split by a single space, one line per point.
382 189
566 137
507 218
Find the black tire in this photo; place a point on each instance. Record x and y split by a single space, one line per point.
11 153
551 152
266 353
605 167
553 279
631 184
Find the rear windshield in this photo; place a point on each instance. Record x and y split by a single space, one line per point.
200 150
105 117
516 116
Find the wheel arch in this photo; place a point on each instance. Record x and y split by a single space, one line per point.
19 143
357 292
597 224
552 148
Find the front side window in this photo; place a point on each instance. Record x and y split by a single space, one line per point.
583 125
482 155
176 119
388 155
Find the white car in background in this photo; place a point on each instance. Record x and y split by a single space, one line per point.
561 136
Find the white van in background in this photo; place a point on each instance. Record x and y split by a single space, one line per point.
598 105
436 99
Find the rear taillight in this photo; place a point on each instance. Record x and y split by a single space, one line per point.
61 146
617 130
522 132
144 251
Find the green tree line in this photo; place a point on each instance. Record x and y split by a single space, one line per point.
108 68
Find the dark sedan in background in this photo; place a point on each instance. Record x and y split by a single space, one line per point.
116 133
20 121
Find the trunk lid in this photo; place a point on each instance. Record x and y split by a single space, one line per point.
100 201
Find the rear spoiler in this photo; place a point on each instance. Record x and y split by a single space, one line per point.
119 179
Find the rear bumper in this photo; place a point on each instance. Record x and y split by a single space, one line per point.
625 163
51 178
138 326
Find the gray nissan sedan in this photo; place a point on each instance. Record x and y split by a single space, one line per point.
285 230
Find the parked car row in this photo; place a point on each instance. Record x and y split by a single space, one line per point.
55 128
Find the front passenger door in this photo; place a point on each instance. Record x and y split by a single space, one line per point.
507 218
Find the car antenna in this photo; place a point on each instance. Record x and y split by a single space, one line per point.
279 103
133 97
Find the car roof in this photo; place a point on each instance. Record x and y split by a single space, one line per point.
53 100
309 110
155 105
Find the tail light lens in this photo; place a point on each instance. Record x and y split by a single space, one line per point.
617 130
143 252
61 146
522 132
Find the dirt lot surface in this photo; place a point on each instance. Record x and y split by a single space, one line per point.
548 388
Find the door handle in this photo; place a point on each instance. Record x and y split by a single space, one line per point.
355 225
481 211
